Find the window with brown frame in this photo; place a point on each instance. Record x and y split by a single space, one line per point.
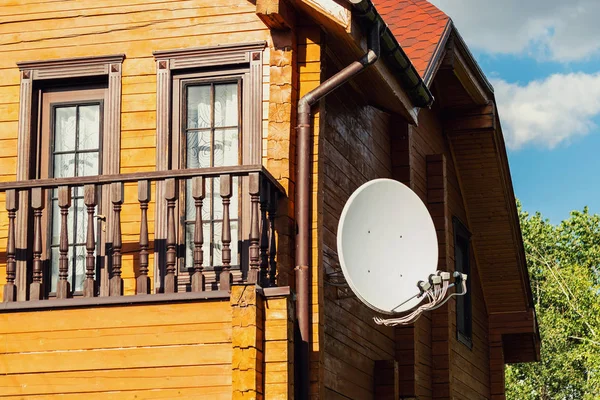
210 134
70 113
70 145
216 96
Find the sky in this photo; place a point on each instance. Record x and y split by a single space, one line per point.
542 57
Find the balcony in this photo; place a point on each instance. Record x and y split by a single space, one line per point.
51 261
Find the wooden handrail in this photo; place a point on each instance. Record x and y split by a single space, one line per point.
213 172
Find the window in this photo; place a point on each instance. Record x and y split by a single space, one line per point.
210 137
71 145
72 112
209 114
464 323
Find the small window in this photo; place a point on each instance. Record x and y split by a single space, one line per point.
462 251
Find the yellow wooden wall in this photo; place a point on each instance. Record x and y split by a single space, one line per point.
45 29
155 351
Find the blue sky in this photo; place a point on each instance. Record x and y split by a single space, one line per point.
542 57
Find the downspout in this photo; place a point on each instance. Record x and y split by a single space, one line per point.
303 184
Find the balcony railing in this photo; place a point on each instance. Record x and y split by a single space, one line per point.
258 193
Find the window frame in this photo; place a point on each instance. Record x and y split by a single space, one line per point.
51 99
462 236
67 72
181 83
213 62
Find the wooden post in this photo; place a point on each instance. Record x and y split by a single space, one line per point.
37 203
254 239
225 278
63 286
198 280
142 281
10 289
171 197
264 234
89 199
116 282
273 200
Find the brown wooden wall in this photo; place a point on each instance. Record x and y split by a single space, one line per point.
469 368
155 351
359 143
354 147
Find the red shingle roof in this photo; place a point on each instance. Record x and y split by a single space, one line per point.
418 26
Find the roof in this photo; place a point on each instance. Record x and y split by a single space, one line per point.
418 26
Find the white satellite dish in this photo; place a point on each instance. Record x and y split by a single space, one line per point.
386 244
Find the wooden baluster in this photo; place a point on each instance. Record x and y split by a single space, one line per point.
63 286
253 249
225 278
171 190
37 203
116 282
90 199
264 234
142 281
12 205
273 200
198 279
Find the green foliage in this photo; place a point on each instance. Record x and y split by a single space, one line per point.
564 267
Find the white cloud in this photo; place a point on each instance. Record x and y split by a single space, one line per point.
548 112
556 30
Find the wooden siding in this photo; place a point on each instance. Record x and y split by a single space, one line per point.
469 368
43 30
354 147
170 350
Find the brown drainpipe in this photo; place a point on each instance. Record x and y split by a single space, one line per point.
303 183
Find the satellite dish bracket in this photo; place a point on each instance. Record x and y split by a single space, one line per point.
435 289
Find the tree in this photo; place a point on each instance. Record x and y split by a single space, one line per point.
564 268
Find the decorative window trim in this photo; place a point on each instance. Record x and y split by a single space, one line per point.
177 61
67 68
462 233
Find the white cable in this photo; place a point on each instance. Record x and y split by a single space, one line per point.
436 297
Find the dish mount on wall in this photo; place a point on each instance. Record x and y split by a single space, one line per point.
388 251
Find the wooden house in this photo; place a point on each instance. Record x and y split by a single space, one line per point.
126 124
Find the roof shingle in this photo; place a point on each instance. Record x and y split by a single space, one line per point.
417 25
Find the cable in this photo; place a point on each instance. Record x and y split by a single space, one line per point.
436 297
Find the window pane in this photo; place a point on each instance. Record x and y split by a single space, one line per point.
217 245
198 107
217 200
89 127
87 164
64 128
64 165
226 104
198 149
226 147
81 233
79 269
